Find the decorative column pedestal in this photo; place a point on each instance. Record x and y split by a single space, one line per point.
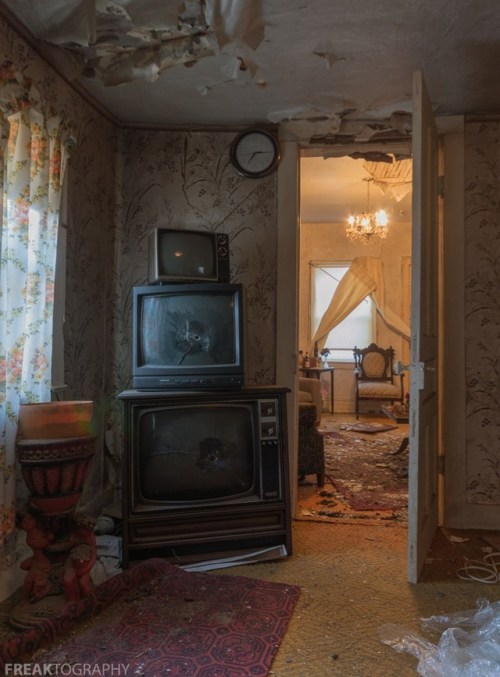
62 540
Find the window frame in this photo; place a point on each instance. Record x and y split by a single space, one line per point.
348 358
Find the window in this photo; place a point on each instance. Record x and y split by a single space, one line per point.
357 329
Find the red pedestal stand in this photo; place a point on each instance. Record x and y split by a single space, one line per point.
62 540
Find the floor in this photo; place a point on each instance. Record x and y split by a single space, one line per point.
450 548
329 423
353 581
353 584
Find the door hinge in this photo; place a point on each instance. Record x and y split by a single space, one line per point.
441 465
441 186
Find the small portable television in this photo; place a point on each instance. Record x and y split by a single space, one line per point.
187 336
176 255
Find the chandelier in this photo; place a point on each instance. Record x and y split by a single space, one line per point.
368 225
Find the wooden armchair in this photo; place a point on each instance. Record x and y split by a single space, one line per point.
375 376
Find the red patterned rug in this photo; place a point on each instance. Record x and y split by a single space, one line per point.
369 470
156 619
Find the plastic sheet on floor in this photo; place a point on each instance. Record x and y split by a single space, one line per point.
469 645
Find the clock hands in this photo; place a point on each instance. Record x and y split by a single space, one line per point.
259 152
251 155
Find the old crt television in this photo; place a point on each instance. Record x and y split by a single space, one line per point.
187 336
205 451
205 472
176 255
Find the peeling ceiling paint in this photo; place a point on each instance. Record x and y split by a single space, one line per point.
324 69
119 42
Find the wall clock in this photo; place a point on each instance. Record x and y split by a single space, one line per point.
255 153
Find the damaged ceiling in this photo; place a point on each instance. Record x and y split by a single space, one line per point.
335 75
316 66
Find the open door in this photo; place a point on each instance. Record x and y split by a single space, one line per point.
423 462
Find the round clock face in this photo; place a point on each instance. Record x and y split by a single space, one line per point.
255 153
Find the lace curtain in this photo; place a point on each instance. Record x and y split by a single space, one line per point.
365 277
33 159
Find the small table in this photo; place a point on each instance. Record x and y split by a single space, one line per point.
315 372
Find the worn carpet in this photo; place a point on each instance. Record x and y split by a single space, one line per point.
158 619
366 478
369 470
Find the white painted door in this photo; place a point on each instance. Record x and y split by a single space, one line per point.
423 462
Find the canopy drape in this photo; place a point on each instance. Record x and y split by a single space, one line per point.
365 277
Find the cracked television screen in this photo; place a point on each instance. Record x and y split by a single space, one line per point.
188 331
196 453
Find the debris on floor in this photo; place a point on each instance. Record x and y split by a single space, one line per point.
469 645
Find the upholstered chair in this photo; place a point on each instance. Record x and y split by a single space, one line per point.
375 378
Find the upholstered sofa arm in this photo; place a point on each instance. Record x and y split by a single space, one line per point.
310 391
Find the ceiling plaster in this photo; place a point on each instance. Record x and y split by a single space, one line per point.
312 65
335 75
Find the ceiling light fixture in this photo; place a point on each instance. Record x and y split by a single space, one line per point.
366 226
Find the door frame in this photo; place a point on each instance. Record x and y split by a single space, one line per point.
287 301
452 367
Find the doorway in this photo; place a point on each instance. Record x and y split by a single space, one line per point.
330 190
429 312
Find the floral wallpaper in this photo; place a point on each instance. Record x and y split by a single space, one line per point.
482 321
185 180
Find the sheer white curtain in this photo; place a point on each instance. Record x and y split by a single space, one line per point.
34 157
364 277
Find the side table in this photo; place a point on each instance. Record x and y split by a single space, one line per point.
315 372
